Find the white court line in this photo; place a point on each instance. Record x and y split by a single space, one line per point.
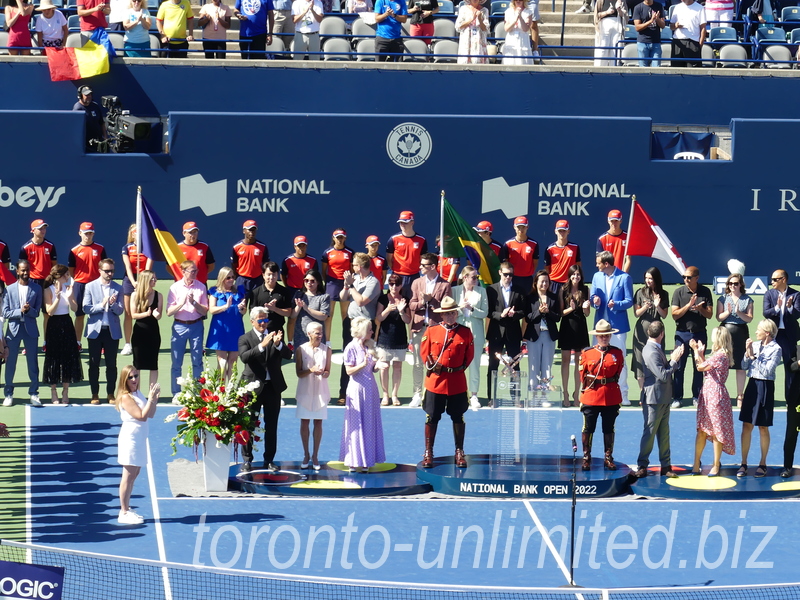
28 492
162 554
559 561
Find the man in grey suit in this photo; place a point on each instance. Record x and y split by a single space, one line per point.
102 302
21 306
656 398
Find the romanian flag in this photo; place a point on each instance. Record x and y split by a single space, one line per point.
157 242
460 239
69 64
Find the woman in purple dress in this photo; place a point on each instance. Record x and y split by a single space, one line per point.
362 435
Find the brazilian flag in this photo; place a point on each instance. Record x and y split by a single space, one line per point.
460 239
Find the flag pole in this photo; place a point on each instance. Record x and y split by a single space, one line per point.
441 225
138 220
630 224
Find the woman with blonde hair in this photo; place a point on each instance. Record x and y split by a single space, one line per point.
62 361
135 262
227 303
474 308
714 414
147 306
313 368
362 435
134 411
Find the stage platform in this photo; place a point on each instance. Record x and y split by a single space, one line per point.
726 486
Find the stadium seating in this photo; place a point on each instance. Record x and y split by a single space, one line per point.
444 28
365 50
416 50
630 32
332 26
3 42
790 17
277 47
794 37
155 46
630 55
2 20
717 35
443 48
735 53
777 52
666 34
767 36
498 7
362 31
500 30
74 23
336 49
446 7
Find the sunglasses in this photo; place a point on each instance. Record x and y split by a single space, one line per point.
104 270
507 274
230 278
736 283
777 278
262 321
688 276
134 376
310 280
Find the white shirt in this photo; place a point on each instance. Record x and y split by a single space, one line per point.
692 17
308 24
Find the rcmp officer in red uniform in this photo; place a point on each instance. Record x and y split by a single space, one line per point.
447 350
600 368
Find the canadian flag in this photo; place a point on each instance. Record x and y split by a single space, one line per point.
645 238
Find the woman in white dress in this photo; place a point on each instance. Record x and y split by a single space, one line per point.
472 23
134 411
313 365
471 299
517 45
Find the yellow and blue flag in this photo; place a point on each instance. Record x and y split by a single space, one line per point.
460 239
157 241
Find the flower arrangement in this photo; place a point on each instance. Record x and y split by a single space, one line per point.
213 406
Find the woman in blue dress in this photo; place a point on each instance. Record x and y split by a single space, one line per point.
227 304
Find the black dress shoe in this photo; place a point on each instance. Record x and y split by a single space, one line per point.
786 473
246 467
641 472
273 467
668 472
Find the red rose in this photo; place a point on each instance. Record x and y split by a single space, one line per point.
258 439
220 407
215 397
201 380
237 428
241 404
199 412
218 436
222 389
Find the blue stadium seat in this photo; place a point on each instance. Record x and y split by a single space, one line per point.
722 35
153 5
666 34
630 32
770 35
2 21
499 7
446 7
795 36
74 23
790 17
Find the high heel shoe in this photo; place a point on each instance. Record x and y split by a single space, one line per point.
565 402
714 472
575 399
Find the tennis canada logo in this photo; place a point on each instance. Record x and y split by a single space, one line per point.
409 145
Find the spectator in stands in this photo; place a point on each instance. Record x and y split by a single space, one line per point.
39 252
404 251
472 23
215 20
358 6
62 360
51 26
614 240
688 34
227 304
93 16
21 305
336 261
648 19
390 15
137 30
283 17
523 254
84 266
610 17
94 124
118 14
379 265
560 256
198 251
248 258
720 12
18 19
187 303
255 30
135 262
134 411
312 304
175 22
533 6
306 15
391 318
102 302
427 293
422 12
517 46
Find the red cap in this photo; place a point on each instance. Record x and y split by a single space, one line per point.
484 226
250 224
521 221
190 226
373 239
37 224
562 224
406 216
615 214
339 232
87 226
300 239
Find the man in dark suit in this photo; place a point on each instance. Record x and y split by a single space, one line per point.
262 353
506 309
21 305
781 306
656 398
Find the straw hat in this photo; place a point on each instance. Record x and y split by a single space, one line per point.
448 305
46 5
603 327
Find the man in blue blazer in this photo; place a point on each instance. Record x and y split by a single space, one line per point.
782 305
21 306
102 302
612 295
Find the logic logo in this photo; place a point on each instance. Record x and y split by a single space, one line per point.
22 581
212 198
409 145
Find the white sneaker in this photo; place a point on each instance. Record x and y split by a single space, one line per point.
129 518
35 400
676 404
474 403
283 402
126 350
626 401
9 401
416 401
176 400
582 10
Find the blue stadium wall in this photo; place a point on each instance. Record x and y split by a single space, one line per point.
305 150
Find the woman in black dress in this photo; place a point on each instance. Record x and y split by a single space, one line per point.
650 303
392 318
573 334
62 361
147 305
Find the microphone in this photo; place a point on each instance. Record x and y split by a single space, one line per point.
574 444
